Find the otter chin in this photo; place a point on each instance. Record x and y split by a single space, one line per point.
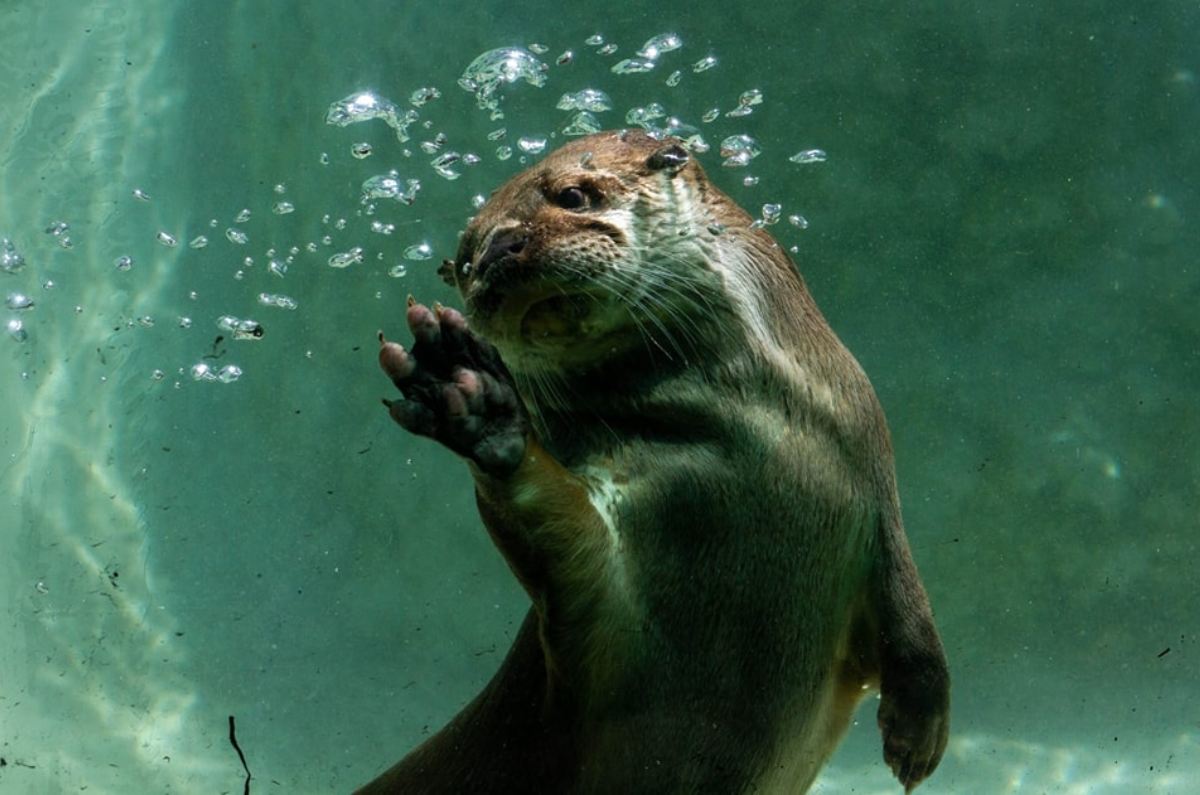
691 478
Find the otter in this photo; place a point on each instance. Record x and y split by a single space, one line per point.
690 477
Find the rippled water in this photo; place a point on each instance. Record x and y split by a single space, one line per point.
207 212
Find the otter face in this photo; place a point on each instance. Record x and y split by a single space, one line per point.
586 253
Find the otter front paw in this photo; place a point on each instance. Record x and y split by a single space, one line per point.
456 390
914 719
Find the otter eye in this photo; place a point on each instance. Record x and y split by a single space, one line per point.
571 198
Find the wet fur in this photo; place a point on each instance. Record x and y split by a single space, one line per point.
705 517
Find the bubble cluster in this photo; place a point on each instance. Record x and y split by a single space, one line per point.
367 105
11 260
389 186
739 150
495 68
241 328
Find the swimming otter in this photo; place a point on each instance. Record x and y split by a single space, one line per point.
691 478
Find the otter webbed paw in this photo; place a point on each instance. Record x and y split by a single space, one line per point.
456 390
914 719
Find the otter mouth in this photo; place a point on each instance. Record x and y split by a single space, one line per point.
562 315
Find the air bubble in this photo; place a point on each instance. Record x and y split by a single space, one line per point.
236 235
607 49
582 123
494 68
365 106
141 195
632 66
241 329
478 200
442 163
398 271
642 116
279 300
345 259
277 267
418 251
199 241
531 146
674 78
242 217
798 221
423 95
380 228
739 150
503 152
595 40
361 150
809 156
11 260
167 239
16 329
704 64
590 99
662 43
389 186
124 262
283 208
771 213
564 58
538 49
18 301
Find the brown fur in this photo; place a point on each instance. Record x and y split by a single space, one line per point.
705 518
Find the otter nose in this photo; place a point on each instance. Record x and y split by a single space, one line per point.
505 243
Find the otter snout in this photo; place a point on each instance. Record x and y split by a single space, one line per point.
504 243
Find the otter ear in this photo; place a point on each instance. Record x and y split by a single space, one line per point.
671 158
446 271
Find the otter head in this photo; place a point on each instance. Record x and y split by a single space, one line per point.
586 253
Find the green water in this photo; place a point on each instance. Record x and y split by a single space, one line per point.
1004 234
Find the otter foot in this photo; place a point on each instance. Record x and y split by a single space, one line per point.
914 719
456 390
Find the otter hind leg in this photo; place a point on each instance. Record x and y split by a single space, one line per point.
914 708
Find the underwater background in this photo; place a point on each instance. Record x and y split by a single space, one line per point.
1001 225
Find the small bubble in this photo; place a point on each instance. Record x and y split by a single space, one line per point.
595 40
379 227
57 228
503 152
242 217
398 271
531 146
538 49
642 116
346 258
582 123
241 329
739 150
283 208
158 375
418 251
497 134
809 156
674 78
277 267
632 66
607 49
185 321
662 43
798 221
280 188
704 64
712 114
141 195
361 150
749 180
565 58
124 262
771 213
279 300
18 301
588 99
11 260
199 241
324 158
146 321
389 186
236 235
48 284
166 239
16 330
229 373
423 95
